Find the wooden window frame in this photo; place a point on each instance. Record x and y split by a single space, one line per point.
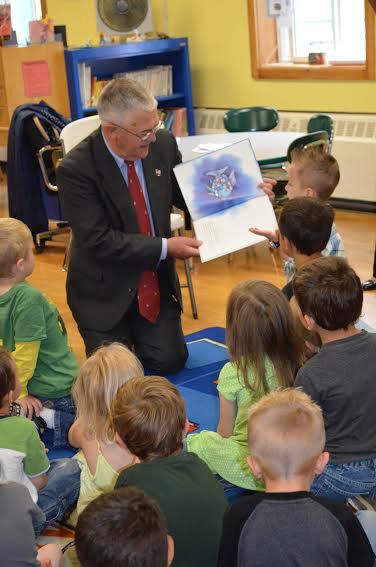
262 35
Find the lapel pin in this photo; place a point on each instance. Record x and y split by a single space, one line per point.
158 172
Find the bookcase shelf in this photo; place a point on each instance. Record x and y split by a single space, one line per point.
107 60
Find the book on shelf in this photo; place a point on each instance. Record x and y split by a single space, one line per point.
156 79
175 120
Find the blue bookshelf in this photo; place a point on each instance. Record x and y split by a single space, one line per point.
109 59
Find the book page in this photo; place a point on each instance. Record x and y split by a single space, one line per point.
227 232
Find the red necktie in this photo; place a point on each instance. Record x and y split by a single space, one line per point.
148 287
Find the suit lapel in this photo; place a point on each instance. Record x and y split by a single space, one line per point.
152 181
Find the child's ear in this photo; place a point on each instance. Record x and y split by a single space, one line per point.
309 322
286 246
186 428
309 192
170 550
322 461
254 466
119 441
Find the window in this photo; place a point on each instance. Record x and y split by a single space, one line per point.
339 34
22 12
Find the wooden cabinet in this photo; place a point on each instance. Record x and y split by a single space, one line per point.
13 87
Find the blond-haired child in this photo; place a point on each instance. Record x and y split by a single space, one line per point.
150 421
32 329
94 391
265 353
286 525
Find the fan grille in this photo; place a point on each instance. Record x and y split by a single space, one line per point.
122 15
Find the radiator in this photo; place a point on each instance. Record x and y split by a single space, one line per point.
354 147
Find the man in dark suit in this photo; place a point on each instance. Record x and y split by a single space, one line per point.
117 188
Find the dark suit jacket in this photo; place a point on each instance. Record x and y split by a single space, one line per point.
108 252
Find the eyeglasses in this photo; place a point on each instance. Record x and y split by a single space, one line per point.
142 137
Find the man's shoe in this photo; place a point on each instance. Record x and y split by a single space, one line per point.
368 285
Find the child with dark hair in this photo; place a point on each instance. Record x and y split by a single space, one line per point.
305 224
54 485
341 377
123 528
286 525
150 422
265 354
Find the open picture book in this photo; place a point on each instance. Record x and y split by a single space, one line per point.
222 195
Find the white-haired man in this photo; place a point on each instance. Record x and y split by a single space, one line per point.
117 188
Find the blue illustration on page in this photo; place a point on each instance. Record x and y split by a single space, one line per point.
219 183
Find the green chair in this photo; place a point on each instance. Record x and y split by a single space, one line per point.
320 122
252 119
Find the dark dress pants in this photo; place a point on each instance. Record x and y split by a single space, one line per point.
160 347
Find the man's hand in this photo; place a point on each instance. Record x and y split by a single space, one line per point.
183 247
267 186
30 406
272 235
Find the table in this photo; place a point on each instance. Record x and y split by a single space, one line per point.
266 145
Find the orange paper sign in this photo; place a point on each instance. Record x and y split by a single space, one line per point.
36 77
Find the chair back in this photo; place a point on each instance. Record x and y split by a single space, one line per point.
76 131
320 122
252 119
318 139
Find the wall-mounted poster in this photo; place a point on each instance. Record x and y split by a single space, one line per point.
222 195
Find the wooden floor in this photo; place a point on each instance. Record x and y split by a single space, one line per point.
214 280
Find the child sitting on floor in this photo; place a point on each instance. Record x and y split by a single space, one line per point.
123 528
286 525
17 538
265 353
149 420
33 331
54 485
101 458
304 224
312 173
341 377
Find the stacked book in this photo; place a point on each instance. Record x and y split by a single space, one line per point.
156 79
175 120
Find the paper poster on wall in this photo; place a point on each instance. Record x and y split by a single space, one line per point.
36 78
222 194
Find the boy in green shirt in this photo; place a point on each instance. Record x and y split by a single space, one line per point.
54 485
150 422
32 330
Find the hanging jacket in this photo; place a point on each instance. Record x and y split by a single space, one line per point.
29 200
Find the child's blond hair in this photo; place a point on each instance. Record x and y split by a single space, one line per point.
15 239
99 379
316 169
286 434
